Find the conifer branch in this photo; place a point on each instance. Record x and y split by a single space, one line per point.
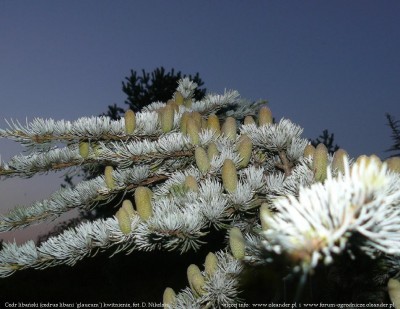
85 195
184 174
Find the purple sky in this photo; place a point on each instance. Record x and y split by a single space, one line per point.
325 65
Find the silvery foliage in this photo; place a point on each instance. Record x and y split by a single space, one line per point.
66 248
221 287
311 221
319 223
284 135
85 195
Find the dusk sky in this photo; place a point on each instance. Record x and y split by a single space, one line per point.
323 64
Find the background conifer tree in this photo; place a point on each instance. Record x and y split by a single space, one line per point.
394 125
327 139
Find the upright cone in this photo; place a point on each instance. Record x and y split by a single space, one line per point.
191 183
130 121
183 123
229 176
213 124
236 243
196 116
249 120
167 118
212 151
245 147
143 202
264 116
211 264
264 214
339 160
202 161
309 151
124 221
193 131
196 279
84 149
393 164
178 98
169 298
394 291
108 177
320 162
128 207
229 128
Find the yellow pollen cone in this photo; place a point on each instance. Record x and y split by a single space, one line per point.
338 160
212 151
130 121
393 164
183 123
173 104
167 118
195 278
229 176
394 291
245 148
143 202
128 207
309 151
108 177
84 149
191 183
249 120
236 243
178 98
211 264
229 128
264 116
193 131
213 124
264 213
124 221
169 298
369 159
197 118
202 161
320 162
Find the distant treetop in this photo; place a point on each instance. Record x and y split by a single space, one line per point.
158 85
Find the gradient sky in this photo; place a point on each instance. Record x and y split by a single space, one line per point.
323 64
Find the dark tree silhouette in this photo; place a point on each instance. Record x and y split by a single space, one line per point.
114 112
326 139
395 127
155 86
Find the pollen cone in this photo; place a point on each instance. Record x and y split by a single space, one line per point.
130 121
211 264
202 161
108 177
245 148
320 162
229 128
264 116
213 124
236 243
84 149
338 160
143 202
124 221
169 298
229 176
